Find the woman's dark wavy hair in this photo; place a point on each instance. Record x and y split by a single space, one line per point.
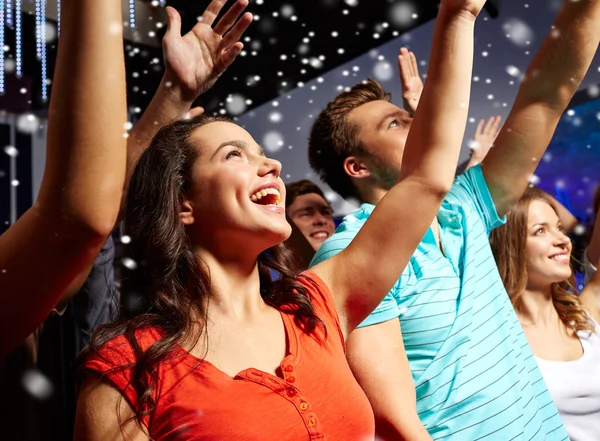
169 287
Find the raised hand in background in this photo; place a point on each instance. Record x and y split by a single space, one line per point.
484 138
412 84
194 61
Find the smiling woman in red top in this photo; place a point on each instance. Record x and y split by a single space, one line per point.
217 350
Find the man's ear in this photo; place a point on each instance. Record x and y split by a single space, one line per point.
186 213
356 167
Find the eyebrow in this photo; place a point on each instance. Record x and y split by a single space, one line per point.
236 143
308 207
396 113
540 224
545 224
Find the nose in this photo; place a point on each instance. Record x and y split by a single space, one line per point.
270 166
320 219
561 239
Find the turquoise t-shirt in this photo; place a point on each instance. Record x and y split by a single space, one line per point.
475 375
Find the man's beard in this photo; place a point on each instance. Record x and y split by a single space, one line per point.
384 173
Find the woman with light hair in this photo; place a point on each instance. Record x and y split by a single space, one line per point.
534 259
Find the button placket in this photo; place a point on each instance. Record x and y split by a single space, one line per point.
289 373
291 392
285 388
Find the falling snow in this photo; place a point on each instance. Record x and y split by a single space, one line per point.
382 71
11 151
129 263
235 105
513 71
28 123
519 32
402 14
273 141
37 384
275 117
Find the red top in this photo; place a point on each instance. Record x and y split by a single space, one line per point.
317 398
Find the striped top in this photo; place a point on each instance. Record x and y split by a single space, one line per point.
475 375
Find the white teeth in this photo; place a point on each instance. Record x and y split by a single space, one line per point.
262 193
560 257
320 235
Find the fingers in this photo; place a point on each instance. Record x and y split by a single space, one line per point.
212 11
496 126
407 63
173 23
492 126
230 17
236 32
404 65
488 127
413 64
229 56
479 129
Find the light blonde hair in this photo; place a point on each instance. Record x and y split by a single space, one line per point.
509 245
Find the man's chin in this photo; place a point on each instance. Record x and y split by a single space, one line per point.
316 243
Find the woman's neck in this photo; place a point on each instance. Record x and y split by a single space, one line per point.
537 308
234 286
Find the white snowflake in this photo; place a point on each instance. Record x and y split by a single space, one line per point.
519 32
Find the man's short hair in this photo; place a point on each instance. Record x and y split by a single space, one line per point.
298 188
332 137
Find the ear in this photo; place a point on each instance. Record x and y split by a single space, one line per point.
186 213
356 168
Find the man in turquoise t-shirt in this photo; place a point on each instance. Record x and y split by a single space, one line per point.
456 365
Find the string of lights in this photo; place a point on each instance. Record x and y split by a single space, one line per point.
43 49
2 46
132 14
9 14
38 29
18 40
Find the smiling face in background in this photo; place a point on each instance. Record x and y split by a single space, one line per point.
237 199
548 248
313 217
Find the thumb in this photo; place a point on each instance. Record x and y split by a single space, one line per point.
173 23
193 113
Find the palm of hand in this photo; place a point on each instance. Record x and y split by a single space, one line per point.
481 146
413 87
191 60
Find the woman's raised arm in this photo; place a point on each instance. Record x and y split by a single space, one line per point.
81 190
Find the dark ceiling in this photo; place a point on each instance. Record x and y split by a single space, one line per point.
289 43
